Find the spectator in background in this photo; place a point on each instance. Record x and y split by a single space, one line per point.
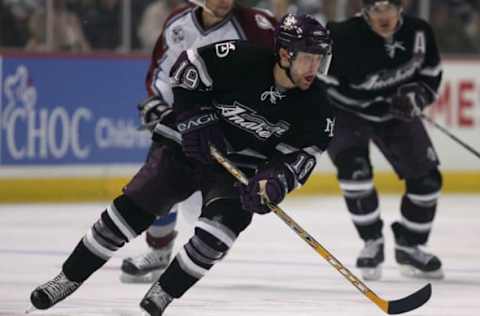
450 30
277 7
67 32
14 16
473 30
8 30
313 8
464 9
355 7
152 21
102 24
138 9
410 7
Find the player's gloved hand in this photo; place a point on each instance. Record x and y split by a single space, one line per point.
268 185
152 110
199 130
409 101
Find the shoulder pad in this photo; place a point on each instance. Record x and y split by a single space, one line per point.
176 15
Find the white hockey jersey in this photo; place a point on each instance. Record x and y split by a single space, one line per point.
183 30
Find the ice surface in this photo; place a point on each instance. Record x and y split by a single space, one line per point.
269 271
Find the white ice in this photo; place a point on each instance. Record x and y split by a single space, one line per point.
269 271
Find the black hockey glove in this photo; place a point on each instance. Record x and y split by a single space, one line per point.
268 185
409 101
199 130
152 111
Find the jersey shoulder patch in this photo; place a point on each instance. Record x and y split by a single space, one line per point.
190 72
227 50
262 19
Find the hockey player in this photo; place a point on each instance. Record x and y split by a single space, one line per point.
188 27
386 70
265 108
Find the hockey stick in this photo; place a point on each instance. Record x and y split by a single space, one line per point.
446 132
403 305
148 125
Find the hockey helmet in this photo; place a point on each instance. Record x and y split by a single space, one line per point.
368 3
303 33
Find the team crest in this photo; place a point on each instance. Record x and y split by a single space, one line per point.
247 119
330 127
392 48
178 34
272 95
290 22
263 22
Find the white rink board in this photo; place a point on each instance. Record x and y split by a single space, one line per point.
269 272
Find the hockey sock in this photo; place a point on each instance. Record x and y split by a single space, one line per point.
418 212
362 203
215 233
419 206
121 222
161 233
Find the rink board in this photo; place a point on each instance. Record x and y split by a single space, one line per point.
68 128
93 189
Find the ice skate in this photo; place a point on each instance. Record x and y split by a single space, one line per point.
371 258
155 301
414 262
52 292
147 267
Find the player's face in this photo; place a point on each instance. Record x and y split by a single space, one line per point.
221 8
304 69
384 18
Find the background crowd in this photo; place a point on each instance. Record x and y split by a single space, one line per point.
134 25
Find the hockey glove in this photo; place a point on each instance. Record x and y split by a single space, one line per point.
199 130
269 185
152 111
410 100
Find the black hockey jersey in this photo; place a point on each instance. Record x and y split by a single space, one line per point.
235 79
366 69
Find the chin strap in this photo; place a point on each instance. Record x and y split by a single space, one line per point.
287 69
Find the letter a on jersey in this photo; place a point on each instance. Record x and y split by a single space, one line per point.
420 43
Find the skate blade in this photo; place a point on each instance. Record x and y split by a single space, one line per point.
149 277
30 309
371 274
412 272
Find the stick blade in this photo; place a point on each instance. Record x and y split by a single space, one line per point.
410 302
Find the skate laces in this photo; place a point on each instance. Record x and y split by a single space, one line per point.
59 288
371 248
157 294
